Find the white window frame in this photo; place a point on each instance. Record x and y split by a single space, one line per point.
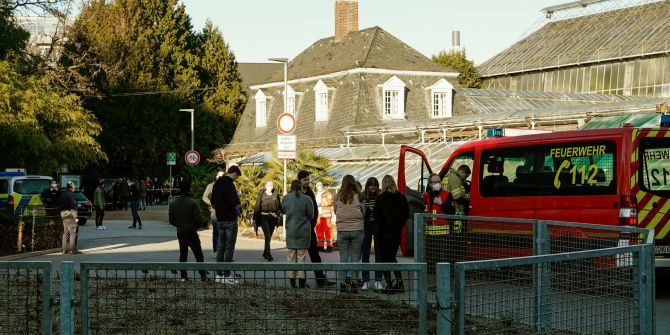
261 109
393 99
290 100
441 99
321 101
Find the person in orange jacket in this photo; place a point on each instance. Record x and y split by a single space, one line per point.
324 228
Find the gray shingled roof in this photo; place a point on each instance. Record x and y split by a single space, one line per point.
353 99
256 73
618 34
367 48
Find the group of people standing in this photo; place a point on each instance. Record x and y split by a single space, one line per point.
362 215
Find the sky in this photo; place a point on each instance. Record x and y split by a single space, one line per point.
260 29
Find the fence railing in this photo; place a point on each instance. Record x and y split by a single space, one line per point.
536 276
550 294
452 238
25 298
506 275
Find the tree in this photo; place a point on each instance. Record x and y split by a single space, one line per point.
468 76
306 160
40 128
144 62
218 68
13 38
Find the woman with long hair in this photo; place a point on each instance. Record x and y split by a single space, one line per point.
349 214
392 212
371 231
299 213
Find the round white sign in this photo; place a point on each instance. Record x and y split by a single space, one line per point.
192 157
286 123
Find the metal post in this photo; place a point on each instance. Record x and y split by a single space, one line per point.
445 313
285 106
418 238
285 61
83 299
460 299
47 302
645 277
66 297
285 179
541 275
170 187
192 131
192 111
421 288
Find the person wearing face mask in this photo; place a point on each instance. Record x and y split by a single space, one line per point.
51 199
268 211
324 228
436 201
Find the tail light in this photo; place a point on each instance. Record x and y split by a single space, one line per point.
628 211
10 204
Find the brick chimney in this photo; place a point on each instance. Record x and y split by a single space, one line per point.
346 17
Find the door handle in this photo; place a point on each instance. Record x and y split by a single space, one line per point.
654 204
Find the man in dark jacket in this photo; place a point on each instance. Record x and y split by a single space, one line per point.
51 198
134 205
313 250
124 193
226 203
184 214
68 212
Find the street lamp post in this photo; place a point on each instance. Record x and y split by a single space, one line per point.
190 110
285 61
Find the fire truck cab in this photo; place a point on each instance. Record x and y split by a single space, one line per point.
617 176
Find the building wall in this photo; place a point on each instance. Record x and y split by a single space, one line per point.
640 77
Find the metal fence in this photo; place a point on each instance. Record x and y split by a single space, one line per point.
559 296
25 298
537 277
122 298
452 238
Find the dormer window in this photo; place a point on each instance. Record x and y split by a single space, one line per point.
441 99
321 101
290 100
261 109
393 106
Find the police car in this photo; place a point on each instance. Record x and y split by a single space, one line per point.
20 192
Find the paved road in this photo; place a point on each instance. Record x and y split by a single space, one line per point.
157 242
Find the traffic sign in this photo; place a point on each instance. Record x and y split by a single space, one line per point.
286 123
171 158
286 146
192 157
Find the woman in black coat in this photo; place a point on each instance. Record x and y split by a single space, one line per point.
392 212
267 214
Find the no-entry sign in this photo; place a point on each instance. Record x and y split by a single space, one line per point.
286 123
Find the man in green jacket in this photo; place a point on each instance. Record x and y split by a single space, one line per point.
99 204
185 215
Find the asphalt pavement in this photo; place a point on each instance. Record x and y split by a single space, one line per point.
155 242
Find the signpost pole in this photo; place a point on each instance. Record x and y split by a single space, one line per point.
171 160
285 177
